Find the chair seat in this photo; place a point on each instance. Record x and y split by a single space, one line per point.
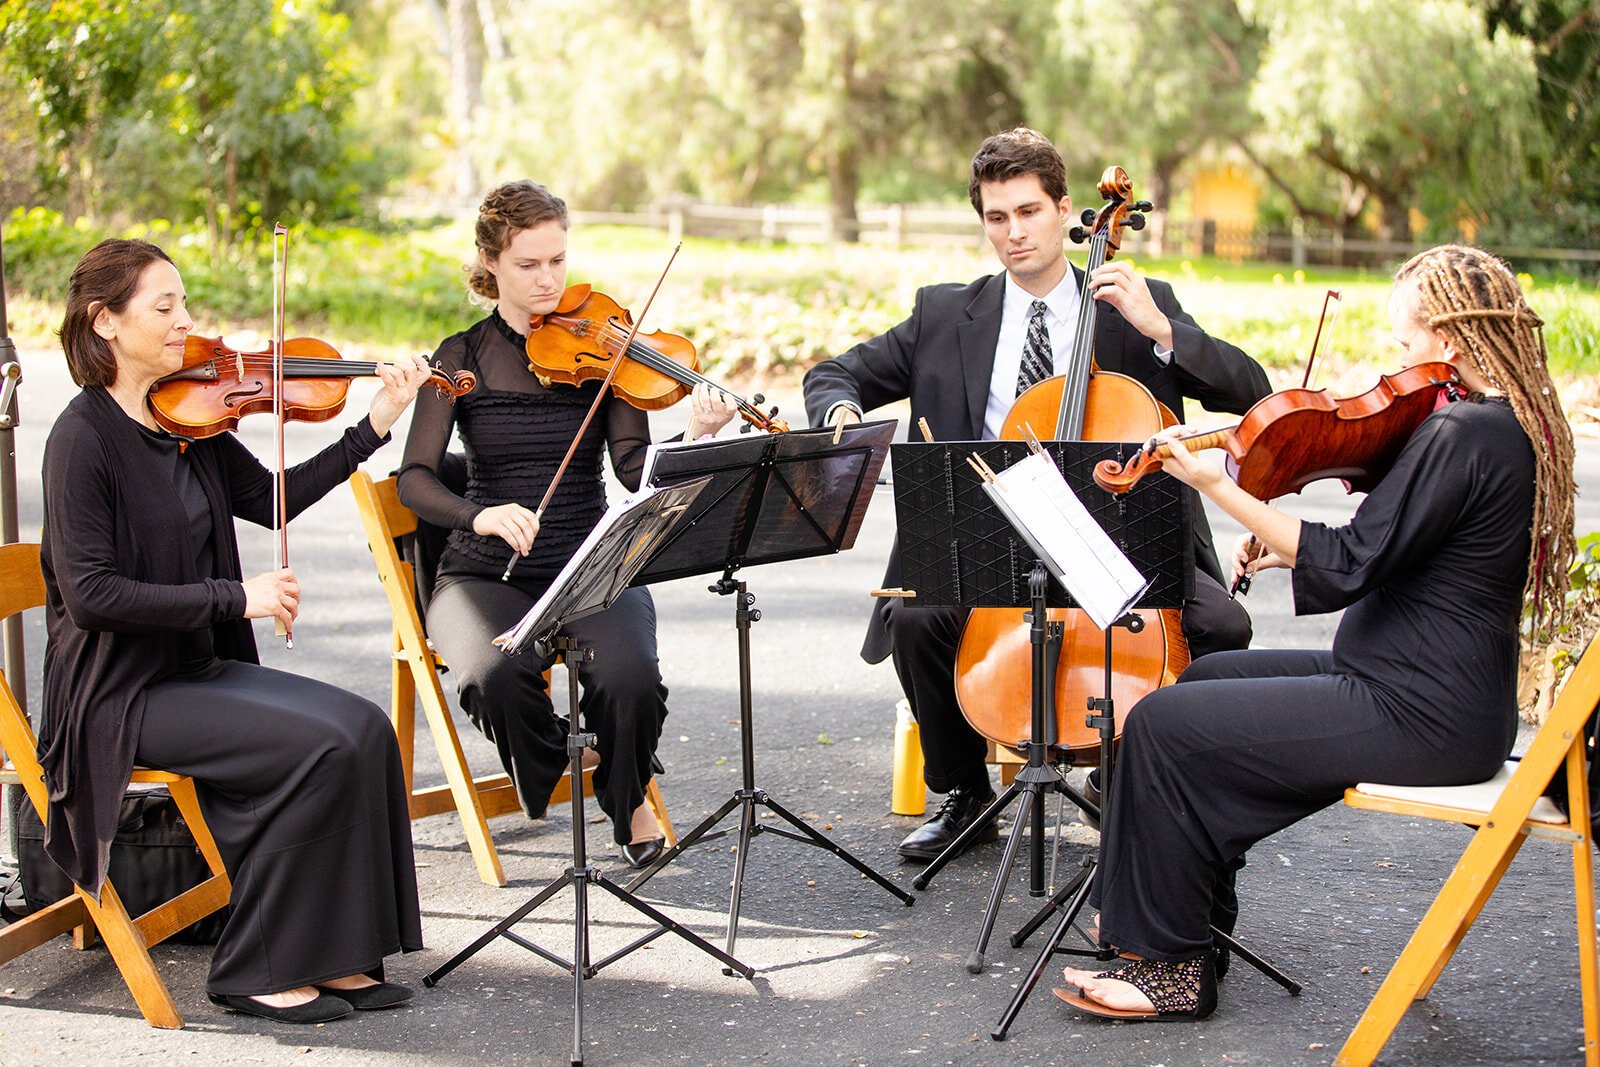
1459 803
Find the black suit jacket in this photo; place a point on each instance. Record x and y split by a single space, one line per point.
942 359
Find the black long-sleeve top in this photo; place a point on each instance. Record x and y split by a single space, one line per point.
516 431
1430 571
126 603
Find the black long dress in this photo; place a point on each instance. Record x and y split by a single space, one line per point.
150 656
516 431
1418 689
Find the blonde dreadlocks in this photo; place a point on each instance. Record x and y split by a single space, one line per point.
1472 300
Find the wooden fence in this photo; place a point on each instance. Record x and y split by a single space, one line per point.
900 226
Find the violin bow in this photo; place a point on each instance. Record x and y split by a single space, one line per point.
1335 298
280 504
605 387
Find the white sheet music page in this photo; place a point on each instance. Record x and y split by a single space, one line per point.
1075 549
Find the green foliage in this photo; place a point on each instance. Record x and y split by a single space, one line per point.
344 282
227 109
1415 104
753 312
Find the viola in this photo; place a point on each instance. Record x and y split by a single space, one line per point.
995 656
1298 436
583 338
220 385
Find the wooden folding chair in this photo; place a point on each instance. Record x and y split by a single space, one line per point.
1507 810
129 940
414 675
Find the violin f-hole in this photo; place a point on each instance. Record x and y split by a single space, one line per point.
234 397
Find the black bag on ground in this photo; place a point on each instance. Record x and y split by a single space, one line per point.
153 859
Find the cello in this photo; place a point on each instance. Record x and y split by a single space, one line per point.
993 676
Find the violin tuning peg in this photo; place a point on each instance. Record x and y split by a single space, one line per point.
1135 222
745 428
1078 234
758 399
1087 218
1144 205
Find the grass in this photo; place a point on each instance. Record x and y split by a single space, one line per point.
753 311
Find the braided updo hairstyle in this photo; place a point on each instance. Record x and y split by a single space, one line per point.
505 212
1472 300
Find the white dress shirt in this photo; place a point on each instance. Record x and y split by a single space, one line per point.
1061 322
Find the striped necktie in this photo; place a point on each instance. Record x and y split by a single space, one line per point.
1036 364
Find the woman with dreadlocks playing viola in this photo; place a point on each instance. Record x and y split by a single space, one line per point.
1473 522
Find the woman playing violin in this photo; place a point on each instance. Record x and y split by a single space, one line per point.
516 431
1471 524
151 659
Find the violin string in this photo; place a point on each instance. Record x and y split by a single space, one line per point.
673 369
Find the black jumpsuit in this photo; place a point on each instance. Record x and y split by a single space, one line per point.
1419 688
516 431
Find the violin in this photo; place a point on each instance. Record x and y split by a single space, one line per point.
995 656
1298 436
219 385
583 337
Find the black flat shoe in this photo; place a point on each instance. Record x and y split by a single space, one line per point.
644 853
325 1008
960 810
373 997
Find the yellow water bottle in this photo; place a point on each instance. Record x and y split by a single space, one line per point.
909 795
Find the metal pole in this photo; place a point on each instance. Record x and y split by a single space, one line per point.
15 663
10 378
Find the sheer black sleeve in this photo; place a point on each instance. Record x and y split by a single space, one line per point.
432 422
627 438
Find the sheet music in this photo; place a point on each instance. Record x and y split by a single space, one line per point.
619 545
1037 500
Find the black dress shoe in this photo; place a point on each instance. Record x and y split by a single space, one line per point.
960 808
643 853
325 1008
373 997
1091 793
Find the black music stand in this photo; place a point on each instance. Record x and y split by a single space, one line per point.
958 549
591 581
772 497
956 543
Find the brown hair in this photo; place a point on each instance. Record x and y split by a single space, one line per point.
1011 155
505 212
105 279
1472 300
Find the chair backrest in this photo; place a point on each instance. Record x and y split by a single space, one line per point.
1578 699
385 521
21 588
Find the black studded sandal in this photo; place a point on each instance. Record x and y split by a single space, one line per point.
1186 989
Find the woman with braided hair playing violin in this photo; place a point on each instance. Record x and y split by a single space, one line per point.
1472 523
516 430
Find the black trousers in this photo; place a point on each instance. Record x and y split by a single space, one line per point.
924 641
1245 744
622 697
301 785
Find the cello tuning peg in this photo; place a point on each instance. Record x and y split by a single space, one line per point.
1135 222
1087 218
1078 234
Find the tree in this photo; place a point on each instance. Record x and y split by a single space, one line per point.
1566 49
231 109
1414 105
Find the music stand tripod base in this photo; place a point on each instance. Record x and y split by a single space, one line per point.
747 798
580 876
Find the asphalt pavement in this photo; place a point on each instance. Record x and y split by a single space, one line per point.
845 973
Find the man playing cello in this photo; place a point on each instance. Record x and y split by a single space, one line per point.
962 357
